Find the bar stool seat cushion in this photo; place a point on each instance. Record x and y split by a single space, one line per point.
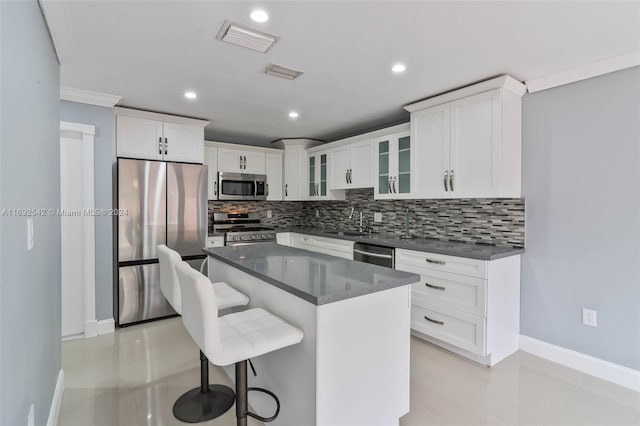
228 297
253 333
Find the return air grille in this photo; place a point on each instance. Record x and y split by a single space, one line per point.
246 37
282 72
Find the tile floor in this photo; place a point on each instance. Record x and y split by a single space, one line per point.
133 377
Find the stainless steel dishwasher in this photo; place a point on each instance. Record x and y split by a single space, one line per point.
377 255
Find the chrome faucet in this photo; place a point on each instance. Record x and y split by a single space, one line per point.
406 235
360 229
351 214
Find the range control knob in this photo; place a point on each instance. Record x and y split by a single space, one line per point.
253 237
264 236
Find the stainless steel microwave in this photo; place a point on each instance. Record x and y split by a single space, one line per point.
240 186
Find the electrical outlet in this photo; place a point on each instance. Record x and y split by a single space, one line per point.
269 214
31 420
589 317
29 233
377 217
317 213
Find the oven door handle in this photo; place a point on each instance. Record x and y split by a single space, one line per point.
248 243
382 256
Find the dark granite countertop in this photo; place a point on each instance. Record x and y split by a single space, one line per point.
315 277
429 245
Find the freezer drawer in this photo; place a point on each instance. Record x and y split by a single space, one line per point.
139 294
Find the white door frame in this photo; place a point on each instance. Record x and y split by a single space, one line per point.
88 203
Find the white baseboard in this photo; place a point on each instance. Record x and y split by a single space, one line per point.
618 374
56 401
96 328
107 326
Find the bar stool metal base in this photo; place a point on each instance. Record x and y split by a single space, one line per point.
196 406
205 402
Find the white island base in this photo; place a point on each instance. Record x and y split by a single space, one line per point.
352 367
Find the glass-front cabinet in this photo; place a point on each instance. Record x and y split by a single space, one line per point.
394 166
318 172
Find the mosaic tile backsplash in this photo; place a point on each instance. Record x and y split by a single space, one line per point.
498 222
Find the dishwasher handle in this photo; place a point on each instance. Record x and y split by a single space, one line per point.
367 253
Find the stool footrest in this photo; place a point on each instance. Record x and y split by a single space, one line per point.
272 395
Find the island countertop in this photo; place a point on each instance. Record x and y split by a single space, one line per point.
315 277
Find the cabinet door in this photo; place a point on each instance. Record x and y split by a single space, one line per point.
401 182
254 162
211 161
476 146
139 138
383 160
230 160
321 175
362 165
340 163
294 166
311 176
183 143
430 130
273 169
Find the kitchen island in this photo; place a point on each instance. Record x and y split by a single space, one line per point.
352 367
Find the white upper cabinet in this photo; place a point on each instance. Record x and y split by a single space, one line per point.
211 161
241 161
139 138
295 167
153 136
394 165
470 141
318 170
351 166
273 167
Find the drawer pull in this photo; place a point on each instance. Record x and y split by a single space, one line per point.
436 262
434 321
435 287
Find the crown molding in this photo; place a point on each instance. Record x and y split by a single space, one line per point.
502 82
88 97
584 72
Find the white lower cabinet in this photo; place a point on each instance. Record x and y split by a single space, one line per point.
283 238
330 246
469 306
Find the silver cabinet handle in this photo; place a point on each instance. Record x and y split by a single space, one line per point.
435 287
317 189
446 180
160 145
346 176
240 162
166 146
215 188
393 183
286 187
267 190
436 262
366 253
349 173
434 321
245 162
451 180
389 183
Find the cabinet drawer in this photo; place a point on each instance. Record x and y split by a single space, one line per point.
456 328
459 292
422 263
324 243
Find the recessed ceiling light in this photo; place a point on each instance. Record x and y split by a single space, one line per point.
293 114
190 95
398 68
259 16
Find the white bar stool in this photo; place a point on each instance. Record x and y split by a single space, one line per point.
207 401
232 338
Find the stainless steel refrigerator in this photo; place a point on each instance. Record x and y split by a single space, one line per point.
160 203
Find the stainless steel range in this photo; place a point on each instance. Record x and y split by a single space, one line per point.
242 228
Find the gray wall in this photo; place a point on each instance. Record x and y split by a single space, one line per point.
102 119
29 178
581 183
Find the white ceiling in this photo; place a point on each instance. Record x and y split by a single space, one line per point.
150 52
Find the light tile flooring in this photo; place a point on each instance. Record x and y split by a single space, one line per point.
133 377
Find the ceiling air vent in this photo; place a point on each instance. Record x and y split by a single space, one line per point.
246 37
282 72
